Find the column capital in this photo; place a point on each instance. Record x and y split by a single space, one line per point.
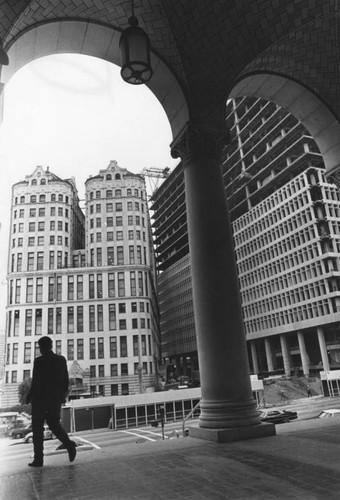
200 141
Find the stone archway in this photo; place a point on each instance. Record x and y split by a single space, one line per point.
97 40
302 103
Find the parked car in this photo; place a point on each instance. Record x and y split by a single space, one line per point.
277 416
20 432
335 412
48 434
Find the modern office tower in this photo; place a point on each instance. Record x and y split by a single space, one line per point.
275 186
85 280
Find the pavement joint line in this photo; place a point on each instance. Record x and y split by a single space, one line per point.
139 435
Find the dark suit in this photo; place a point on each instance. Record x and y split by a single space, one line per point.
48 392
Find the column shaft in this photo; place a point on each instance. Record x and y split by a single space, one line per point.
227 399
269 355
285 355
303 353
323 349
254 357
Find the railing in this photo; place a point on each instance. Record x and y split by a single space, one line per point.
189 416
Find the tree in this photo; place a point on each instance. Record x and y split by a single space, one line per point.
23 390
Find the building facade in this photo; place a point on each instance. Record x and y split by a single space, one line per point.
85 279
285 221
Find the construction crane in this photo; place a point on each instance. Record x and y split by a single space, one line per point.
154 175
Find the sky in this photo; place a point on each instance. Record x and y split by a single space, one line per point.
74 114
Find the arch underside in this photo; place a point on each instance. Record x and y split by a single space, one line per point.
97 40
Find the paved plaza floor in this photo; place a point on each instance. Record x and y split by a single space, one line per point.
301 462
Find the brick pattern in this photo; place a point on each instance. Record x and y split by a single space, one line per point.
209 44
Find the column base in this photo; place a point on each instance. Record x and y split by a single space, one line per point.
233 433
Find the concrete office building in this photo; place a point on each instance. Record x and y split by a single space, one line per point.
286 223
86 280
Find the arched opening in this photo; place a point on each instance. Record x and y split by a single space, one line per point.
302 103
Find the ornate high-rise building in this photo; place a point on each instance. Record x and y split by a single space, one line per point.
85 279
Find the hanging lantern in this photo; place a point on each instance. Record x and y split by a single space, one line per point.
134 45
3 55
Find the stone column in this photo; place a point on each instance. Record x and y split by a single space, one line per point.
285 355
303 353
323 349
269 355
228 409
254 357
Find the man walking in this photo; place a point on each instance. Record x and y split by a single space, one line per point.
48 392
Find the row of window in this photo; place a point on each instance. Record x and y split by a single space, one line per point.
13 378
275 267
117 193
42 198
41 226
285 299
113 285
272 202
119 236
113 256
97 208
96 320
41 212
115 346
287 316
118 221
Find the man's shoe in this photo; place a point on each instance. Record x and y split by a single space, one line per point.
36 463
72 451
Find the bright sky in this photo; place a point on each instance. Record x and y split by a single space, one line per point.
74 114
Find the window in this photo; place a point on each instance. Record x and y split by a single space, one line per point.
41 226
101 371
31 241
99 286
110 256
119 207
119 220
134 323
50 320
58 320
119 235
112 317
124 369
109 207
129 206
70 288
52 211
28 322
98 222
70 319
92 318
38 321
17 291
29 290
135 345
118 192
120 255
109 221
109 236
41 212
98 208
92 348
92 373
131 254
121 285
70 350
125 389
33 212
113 347
111 285
59 288
123 347
39 290
19 262
16 323
100 325
51 259
80 319
80 349
40 261
79 286
58 347
91 286
109 193
114 389
100 347
14 379
30 261
51 288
